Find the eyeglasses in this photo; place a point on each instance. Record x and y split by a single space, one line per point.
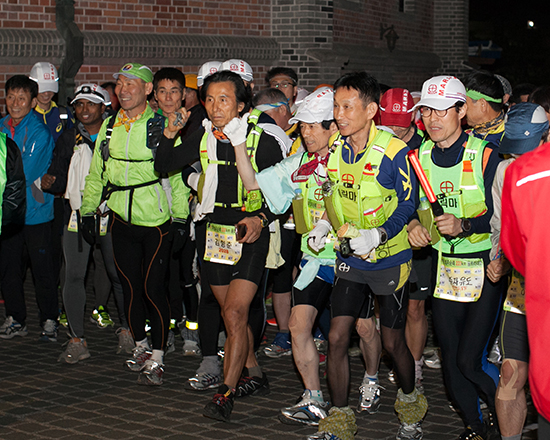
281 84
427 111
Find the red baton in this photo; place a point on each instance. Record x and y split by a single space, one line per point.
425 183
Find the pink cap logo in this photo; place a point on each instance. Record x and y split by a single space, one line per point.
432 89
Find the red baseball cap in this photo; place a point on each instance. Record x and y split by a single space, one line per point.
396 107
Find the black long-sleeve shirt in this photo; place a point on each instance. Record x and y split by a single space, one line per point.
171 158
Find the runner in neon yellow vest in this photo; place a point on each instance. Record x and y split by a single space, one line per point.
304 174
237 238
465 304
371 195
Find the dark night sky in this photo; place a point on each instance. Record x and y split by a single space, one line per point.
525 56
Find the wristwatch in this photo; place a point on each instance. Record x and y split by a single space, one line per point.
263 219
466 226
383 235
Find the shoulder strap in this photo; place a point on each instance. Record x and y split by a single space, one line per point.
155 127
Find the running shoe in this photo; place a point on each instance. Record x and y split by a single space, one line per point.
281 346
369 397
101 317
432 360
392 377
272 322
49 331
204 381
252 386
125 341
410 432
151 373
170 343
323 436
221 405
76 350
140 354
11 328
307 411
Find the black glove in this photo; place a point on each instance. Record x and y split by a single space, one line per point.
88 227
178 234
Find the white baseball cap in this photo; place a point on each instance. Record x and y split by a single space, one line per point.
45 74
93 93
316 107
441 93
207 69
241 67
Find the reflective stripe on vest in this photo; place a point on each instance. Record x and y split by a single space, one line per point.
461 191
314 208
359 199
248 201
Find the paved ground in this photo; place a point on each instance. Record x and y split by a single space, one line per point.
97 399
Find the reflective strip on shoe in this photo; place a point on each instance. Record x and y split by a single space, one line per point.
369 397
151 373
410 432
204 381
252 386
138 359
308 411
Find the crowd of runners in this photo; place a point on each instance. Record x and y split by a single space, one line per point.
354 207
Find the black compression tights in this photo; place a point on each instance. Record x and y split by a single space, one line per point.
392 312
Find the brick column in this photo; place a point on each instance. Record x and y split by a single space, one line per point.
300 26
450 24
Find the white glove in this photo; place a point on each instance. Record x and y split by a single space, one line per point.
366 242
236 130
318 236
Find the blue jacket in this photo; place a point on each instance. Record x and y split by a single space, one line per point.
36 145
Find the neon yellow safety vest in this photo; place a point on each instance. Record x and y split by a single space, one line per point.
358 197
3 177
462 192
313 210
248 201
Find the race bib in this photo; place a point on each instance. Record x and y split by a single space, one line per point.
73 222
460 279
221 244
515 297
103 222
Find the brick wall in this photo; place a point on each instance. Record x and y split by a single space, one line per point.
27 14
357 23
229 17
320 39
451 35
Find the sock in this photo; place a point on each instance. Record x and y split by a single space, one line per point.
255 371
512 437
316 395
158 356
367 378
143 343
210 364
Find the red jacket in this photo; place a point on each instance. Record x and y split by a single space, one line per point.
525 239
